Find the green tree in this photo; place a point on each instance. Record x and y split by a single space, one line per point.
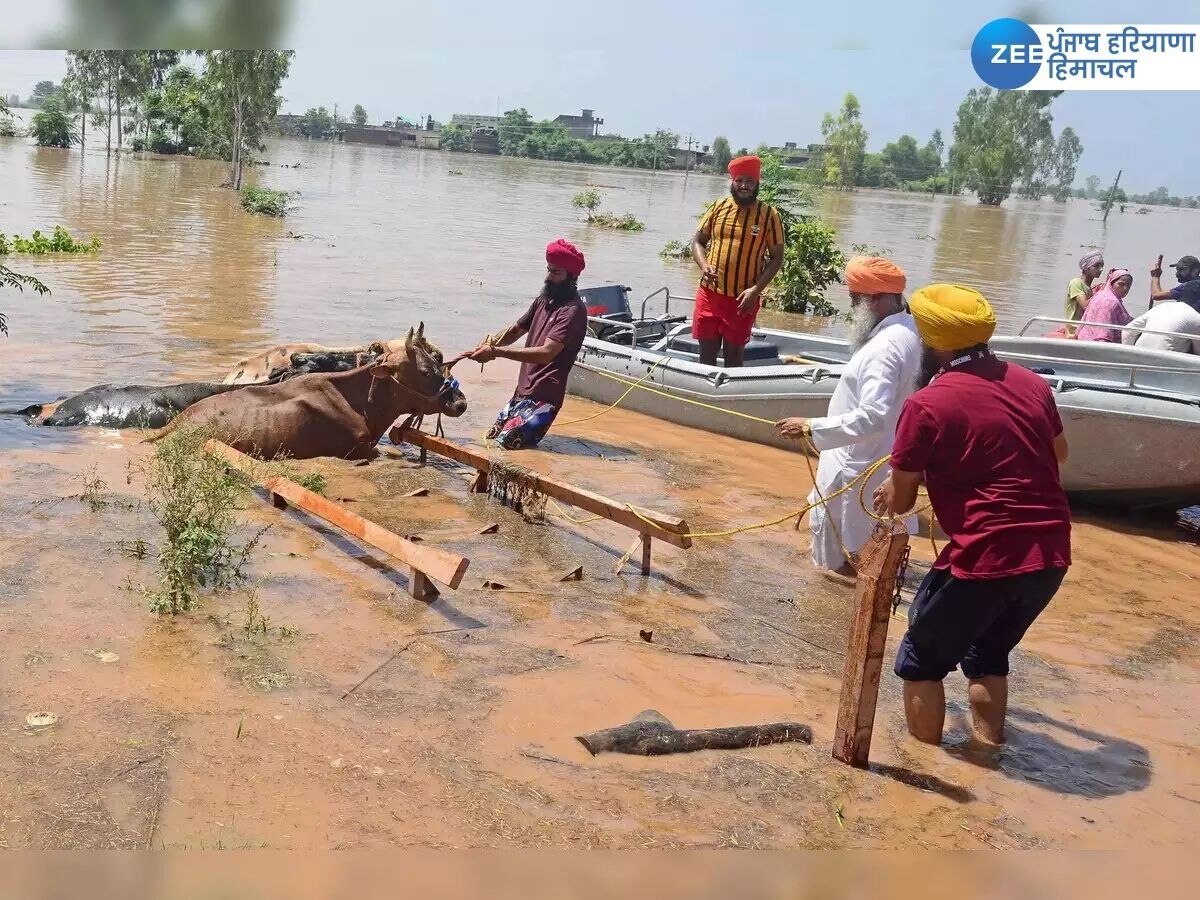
42 91
720 154
11 279
1092 187
178 113
8 127
999 139
359 115
242 87
1063 163
514 128
456 138
845 144
317 123
811 262
52 126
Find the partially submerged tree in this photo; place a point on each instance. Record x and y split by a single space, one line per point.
243 89
845 144
52 126
360 114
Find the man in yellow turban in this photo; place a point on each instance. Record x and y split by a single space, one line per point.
861 420
985 437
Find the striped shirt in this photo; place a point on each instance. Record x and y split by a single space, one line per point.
738 240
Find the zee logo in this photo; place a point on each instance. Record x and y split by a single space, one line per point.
1007 54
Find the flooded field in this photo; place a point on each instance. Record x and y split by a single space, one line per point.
350 722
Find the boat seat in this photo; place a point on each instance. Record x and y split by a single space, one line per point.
755 350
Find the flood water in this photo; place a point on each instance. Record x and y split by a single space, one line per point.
381 237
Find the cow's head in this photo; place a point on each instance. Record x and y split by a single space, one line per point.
424 386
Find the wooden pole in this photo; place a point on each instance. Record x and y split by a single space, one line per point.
1111 192
672 529
429 562
646 540
878 568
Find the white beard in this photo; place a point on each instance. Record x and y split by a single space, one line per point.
862 323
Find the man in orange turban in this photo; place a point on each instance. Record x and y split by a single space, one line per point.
861 421
985 437
739 248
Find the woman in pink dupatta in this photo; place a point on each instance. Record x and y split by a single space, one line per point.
1107 308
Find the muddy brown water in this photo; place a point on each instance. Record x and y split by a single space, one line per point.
200 736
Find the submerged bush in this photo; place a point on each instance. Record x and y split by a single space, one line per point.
265 201
37 244
627 222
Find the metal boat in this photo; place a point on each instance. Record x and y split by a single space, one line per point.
1131 415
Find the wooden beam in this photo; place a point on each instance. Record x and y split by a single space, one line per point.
646 541
671 529
440 565
878 567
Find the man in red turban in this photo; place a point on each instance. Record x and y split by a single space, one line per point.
554 327
739 248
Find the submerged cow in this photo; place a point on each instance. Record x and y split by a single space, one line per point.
145 406
266 366
342 414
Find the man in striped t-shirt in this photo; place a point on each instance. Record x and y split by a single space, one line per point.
739 248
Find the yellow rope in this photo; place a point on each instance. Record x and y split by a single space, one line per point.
617 402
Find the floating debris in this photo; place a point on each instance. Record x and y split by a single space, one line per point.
514 486
105 656
39 720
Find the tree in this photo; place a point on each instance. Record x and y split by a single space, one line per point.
1000 137
52 127
9 278
720 153
1092 187
455 137
243 89
845 144
514 127
360 114
1063 163
42 91
177 113
317 123
903 158
8 128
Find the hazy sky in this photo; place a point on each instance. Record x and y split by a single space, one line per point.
755 70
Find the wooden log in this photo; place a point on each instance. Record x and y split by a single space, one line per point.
440 565
671 529
878 567
651 734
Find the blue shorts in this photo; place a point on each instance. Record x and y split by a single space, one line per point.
974 623
522 424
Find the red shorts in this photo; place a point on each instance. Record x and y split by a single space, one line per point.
717 316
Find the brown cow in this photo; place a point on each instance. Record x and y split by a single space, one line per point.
343 414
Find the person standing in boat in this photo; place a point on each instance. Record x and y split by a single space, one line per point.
1079 288
985 437
555 325
861 420
739 249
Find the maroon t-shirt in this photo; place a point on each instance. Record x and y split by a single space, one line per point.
564 322
983 434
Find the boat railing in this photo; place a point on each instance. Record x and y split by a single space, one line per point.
667 298
1076 323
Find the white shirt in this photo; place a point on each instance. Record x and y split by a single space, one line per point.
1166 315
861 423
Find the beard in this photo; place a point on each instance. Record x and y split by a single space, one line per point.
743 201
862 323
929 366
560 291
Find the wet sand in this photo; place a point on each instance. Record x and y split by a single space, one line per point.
199 736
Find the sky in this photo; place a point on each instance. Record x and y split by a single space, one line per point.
756 70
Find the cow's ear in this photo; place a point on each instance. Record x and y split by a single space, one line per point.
421 331
409 349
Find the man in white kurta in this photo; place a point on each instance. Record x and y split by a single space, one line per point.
861 422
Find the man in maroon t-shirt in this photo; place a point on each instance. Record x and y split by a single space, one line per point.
986 438
556 325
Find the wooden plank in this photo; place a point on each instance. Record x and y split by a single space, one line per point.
440 565
878 566
671 529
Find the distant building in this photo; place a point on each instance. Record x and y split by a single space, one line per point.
471 120
682 158
381 134
13 99
583 126
485 140
289 124
797 157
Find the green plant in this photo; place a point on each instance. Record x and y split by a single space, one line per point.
313 481
37 244
193 496
861 249
627 222
265 201
9 278
51 126
256 622
811 262
588 199
676 250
